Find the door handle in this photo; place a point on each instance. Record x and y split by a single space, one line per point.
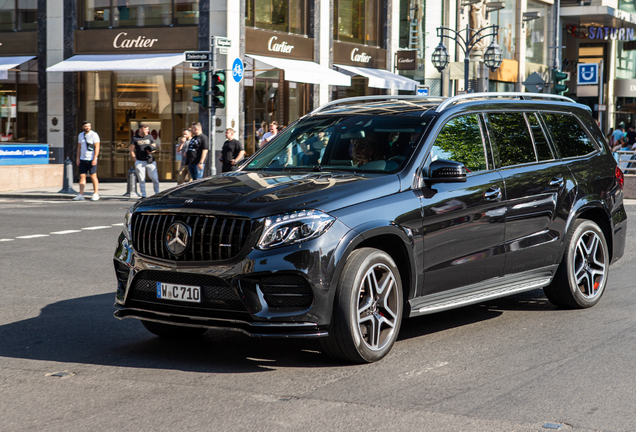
557 182
493 193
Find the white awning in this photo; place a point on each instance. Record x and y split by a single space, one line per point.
118 62
380 78
305 71
7 63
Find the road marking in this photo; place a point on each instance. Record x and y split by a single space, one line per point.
66 232
96 227
33 236
119 224
1 240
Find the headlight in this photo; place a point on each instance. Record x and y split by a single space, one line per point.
127 222
296 227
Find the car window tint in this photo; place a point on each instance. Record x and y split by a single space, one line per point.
540 141
460 141
568 135
510 138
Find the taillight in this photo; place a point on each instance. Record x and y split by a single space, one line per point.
620 177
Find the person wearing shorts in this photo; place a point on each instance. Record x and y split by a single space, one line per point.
87 153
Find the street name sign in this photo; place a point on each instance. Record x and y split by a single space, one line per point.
198 65
197 56
223 50
219 41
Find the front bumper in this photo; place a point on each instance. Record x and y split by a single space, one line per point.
283 292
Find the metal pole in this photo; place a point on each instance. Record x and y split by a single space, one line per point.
211 159
600 97
466 62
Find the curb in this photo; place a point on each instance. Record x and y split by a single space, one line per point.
61 197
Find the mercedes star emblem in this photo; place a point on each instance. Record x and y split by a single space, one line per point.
177 238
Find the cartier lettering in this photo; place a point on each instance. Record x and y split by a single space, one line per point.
362 57
140 42
406 60
282 47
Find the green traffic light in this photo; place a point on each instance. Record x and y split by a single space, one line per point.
201 88
557 77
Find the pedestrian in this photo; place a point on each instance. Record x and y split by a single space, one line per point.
184 142
87 153
610 137
619 133
259 134
268 136
231 152
142 147
631 137
197 151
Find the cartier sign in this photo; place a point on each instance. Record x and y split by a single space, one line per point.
274 44
406 60
136 40
359 55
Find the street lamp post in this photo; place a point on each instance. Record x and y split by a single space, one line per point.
492 58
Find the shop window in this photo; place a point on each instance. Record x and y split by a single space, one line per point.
138 13
505 19
19 105
357 21
19 15
288 16
536 33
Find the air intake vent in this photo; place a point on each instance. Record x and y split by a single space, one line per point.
211 238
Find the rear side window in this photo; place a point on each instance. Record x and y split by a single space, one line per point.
540 141
510 139
568 135
460 141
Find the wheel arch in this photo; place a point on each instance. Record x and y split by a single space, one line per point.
596 212
396 241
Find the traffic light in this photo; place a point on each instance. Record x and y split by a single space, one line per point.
201 88
558 77
219 88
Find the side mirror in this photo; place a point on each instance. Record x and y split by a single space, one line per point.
444 171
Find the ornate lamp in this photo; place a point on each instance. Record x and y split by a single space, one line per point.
493 56
440 57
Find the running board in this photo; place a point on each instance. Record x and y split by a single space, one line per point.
483 291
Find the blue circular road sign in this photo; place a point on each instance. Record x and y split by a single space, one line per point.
237 70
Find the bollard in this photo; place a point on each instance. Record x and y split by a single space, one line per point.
67 186
131 184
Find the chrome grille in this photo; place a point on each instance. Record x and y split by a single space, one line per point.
213 238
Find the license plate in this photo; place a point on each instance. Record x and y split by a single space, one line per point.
179 292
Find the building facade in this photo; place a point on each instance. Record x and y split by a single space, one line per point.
117 64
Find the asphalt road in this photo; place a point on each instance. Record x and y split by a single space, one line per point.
507 365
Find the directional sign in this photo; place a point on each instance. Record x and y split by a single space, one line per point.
219 41
197 56
587 74
534 83
198 65
237 70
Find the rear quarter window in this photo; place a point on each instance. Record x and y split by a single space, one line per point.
568 135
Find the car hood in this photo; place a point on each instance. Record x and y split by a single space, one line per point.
258 194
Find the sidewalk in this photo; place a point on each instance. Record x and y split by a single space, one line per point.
107 191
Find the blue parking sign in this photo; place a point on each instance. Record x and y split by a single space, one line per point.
587 74
237 70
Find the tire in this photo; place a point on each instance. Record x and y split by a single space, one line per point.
367 308
581 278
170 331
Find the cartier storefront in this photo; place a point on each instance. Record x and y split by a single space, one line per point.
132 75
279 73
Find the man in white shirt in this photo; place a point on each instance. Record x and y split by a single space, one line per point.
268 136
87 152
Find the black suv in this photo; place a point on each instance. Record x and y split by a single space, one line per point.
373 209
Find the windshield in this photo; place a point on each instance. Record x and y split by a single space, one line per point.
343 143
